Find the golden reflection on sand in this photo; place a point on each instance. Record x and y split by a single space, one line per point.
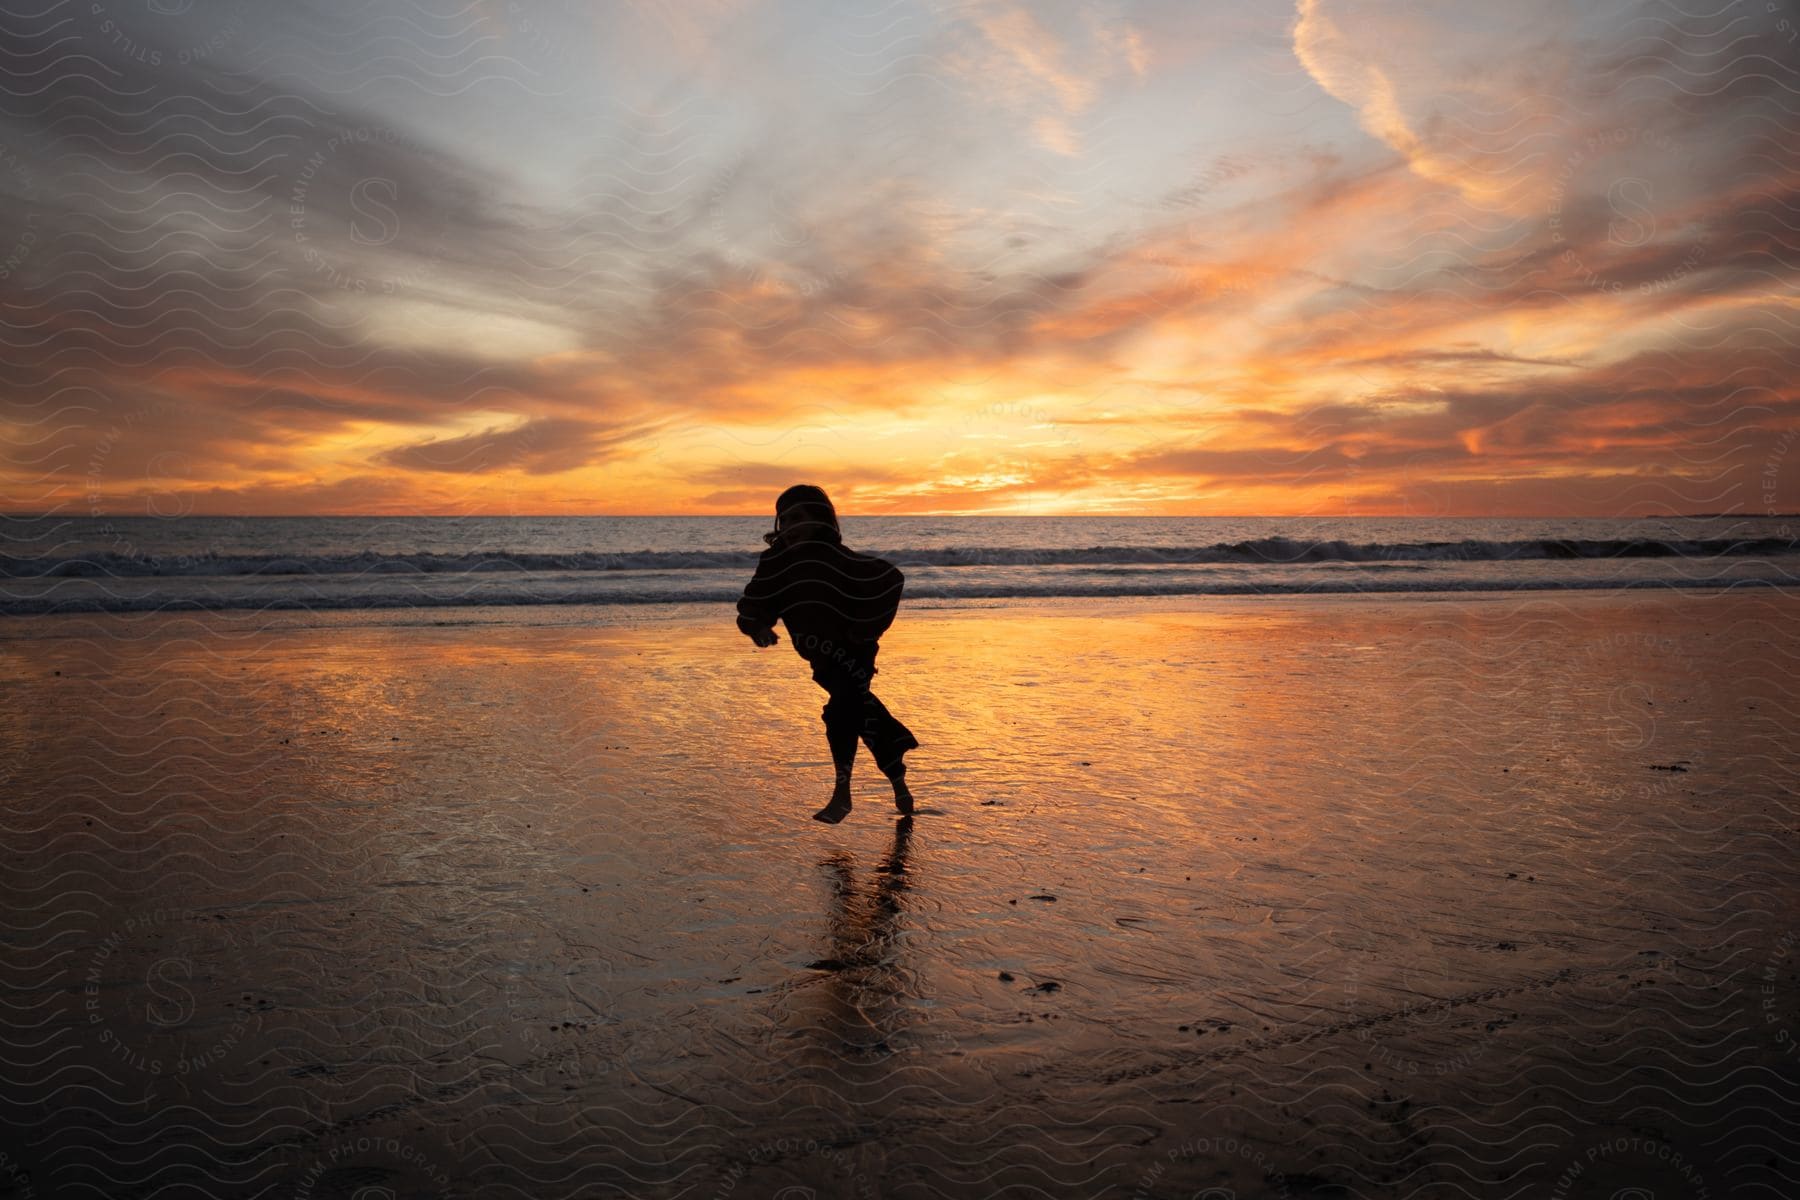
862 1007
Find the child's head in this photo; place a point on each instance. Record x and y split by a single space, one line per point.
805 511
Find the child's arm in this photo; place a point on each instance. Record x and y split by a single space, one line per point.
758 608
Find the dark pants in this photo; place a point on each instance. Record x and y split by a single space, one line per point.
855 712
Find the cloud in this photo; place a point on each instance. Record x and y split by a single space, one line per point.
1460 359
1418 86
1654 416
543 446
1046 78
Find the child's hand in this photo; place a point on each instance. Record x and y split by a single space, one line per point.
764 637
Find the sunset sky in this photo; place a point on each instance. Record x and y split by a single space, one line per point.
541 256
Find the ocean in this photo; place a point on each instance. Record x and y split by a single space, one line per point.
65 564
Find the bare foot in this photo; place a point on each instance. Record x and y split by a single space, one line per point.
903 797
837 810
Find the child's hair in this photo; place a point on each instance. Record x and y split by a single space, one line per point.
804 508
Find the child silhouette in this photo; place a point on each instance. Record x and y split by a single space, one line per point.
836 604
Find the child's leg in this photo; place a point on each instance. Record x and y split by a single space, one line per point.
843 722
887 738
889 741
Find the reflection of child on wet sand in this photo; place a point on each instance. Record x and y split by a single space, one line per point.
836 604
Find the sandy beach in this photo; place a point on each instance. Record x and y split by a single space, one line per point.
1360 896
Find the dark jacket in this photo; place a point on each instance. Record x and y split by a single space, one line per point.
827 595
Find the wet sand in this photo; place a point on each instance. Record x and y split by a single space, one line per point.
1397 896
